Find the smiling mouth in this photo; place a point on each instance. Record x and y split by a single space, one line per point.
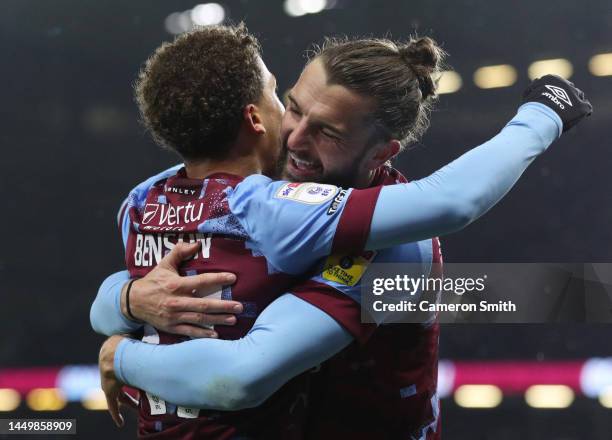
303 165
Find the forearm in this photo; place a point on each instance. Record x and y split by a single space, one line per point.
465 189
105 314
289 337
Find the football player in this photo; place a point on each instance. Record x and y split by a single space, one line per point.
344 121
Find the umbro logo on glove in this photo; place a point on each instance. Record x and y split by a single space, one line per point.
562 96
558 93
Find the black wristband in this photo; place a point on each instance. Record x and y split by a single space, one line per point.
127 301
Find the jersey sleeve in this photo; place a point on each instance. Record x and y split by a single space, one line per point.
465 189
123 222
136 197
296 224
105 314
337 288
337 304
289 337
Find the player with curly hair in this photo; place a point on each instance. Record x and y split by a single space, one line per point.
356 105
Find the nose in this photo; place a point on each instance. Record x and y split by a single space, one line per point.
299 137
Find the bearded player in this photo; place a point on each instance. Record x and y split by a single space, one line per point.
310 135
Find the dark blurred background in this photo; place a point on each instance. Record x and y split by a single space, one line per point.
73 148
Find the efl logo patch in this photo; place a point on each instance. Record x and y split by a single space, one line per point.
345 269
310 193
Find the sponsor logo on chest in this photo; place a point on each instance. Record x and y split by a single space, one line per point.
160 214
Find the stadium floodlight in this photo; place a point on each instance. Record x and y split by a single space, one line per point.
185 20
46 399
478 396
605 397
549 396
555 66
601 64
596 376
450 82
491 77
9 399
313 6
208 14
178 22
95 400
297 8
171 23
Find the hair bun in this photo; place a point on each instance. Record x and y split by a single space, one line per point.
424 56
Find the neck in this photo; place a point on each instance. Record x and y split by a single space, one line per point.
239 166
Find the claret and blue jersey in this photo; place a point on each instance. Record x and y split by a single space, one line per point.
292 224
268 233
388 376
288 229
284 230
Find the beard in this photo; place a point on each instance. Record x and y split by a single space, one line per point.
278 173
274 167
346 177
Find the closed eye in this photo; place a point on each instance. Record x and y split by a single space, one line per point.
330 135
293 110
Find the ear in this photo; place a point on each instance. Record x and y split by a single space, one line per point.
383 152
252 118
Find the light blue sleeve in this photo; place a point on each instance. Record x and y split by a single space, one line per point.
294 224
137 197
105 314
459 193
289 337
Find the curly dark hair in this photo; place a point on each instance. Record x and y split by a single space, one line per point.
401 77
191 92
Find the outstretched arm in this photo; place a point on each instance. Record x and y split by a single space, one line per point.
289 337
460 192
444 202
287 219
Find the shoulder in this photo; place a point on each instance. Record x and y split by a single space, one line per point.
262 187
253 181
138 194
145 184
258 196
